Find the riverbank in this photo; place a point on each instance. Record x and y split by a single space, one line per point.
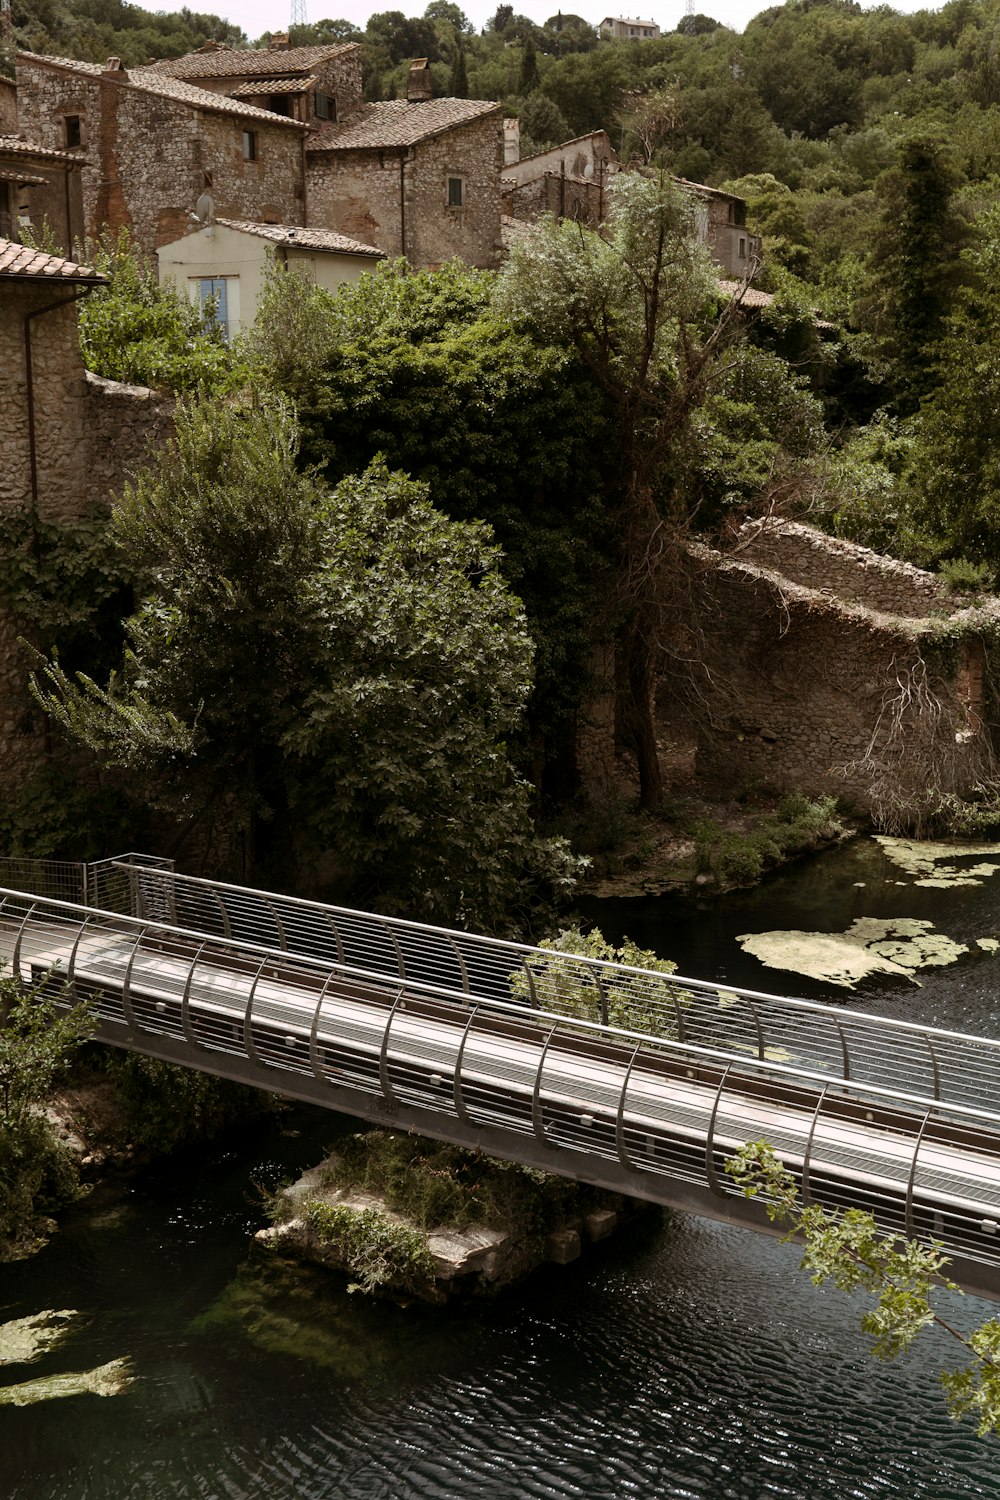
692 843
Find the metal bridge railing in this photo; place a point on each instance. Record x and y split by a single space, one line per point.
63 879
658 1108
927 1062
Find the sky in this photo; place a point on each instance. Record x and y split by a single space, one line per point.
258 16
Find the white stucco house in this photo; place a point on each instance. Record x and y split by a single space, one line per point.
225 262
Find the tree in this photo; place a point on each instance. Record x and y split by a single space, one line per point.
915 265
529 78
638 308
311 673
459 85
38 1036
847 1248
145 333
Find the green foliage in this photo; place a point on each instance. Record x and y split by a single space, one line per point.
846 1247
373 1249
435 1185
428 667
61 812
324 673
97 29
143 333
38 1036
65 582
738 859
160 1106
633 1001
418 368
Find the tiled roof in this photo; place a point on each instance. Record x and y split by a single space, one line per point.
397 122
231 62
16 145
305 239
271 86
14 174
750 296
153 82
24 262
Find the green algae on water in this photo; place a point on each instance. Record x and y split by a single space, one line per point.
106 1380
870 945
933 864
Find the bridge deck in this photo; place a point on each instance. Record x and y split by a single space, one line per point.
646 1115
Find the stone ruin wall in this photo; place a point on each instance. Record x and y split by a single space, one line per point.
805 660
841 569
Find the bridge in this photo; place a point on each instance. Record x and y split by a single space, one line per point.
633 1080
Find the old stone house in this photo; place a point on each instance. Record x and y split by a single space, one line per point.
227 261
40 190
159 151
628 29
415 178
568 181
721 222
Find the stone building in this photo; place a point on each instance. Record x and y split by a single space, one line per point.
628 29
159 152
721 222
8 106
416 177
277 136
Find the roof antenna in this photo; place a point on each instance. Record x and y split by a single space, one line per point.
298 16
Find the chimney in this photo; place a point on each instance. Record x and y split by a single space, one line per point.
511 141
419 87
114 67
279 42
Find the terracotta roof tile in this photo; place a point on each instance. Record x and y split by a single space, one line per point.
397 122
750 296
22 261
271 86
305 239
16 145
153 82
230 62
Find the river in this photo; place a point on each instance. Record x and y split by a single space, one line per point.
684 1359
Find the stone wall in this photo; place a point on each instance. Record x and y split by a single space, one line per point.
364 194
841 569
8 107
126 426
575 198
58 387
826 694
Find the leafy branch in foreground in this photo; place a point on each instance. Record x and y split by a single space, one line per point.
849 1249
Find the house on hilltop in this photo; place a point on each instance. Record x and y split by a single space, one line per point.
628 29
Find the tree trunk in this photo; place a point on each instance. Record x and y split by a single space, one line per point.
640 676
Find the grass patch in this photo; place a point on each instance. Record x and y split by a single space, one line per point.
798 825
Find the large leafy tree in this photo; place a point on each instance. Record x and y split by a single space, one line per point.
319 672
502 426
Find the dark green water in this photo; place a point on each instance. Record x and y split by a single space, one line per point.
688 1360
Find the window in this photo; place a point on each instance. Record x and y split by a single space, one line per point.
279 104
743 248
218 298
72 133
6 222
456 192
249 145
326 106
